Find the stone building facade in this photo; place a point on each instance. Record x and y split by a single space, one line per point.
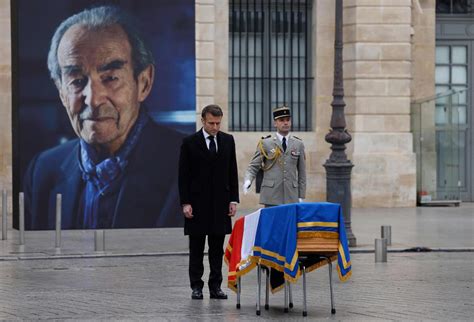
382 39
389 61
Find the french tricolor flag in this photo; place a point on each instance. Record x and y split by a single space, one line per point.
269 237
239 251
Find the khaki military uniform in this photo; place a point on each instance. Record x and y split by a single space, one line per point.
284 179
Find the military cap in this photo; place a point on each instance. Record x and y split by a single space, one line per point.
282 111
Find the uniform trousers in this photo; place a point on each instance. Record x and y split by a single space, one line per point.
196 255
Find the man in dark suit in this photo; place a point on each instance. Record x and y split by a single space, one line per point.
121 171
208 188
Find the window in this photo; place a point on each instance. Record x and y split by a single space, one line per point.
451 118
269 62
454 6
451 73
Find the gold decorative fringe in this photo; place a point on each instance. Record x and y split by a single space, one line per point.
277 289
282 270
318 234
320 264
248 268
279 257
343 256
344 278
238 274
332 224
232 286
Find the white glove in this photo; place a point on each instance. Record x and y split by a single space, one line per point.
300 200
246 186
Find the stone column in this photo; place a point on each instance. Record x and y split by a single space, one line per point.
423 88
377 76
205 56
5 99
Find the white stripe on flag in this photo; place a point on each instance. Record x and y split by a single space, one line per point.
248 238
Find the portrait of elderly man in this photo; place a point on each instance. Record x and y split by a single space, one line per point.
121 171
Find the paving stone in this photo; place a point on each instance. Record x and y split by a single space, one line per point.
411 286
143 275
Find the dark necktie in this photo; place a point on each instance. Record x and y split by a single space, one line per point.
283 144
212 145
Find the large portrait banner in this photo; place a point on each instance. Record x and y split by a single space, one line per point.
103 93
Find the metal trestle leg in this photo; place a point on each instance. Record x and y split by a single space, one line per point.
267 287
259 279
305 311
333 309
239 290
286 297
290 294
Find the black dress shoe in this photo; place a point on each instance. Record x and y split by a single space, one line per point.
197 294
218 294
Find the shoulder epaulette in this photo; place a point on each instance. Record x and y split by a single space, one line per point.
266 137
297 138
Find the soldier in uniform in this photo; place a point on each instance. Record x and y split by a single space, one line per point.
281 157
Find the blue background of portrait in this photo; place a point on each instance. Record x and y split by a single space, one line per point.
40 120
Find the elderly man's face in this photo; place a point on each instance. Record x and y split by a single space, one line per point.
101 95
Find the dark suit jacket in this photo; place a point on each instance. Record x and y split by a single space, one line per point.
208 183
148 196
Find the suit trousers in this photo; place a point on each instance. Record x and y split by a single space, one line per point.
196 256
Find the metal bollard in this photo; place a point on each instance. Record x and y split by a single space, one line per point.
380 250
99 240
386 232
22 218
58 222
4 215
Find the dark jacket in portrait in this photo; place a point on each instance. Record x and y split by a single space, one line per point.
209 183
147 194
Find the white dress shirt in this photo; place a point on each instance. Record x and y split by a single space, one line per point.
280 137
208 141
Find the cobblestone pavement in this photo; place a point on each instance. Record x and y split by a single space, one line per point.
410 286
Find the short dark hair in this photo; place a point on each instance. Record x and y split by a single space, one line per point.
213 109
98 18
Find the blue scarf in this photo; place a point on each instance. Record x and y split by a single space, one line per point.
100 175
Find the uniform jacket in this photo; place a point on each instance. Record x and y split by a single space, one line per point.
209 183
148 195
284 178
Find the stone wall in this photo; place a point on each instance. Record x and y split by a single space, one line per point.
423 90
5 99
377 63
377 78
212 77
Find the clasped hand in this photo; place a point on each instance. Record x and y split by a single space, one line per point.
188 210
